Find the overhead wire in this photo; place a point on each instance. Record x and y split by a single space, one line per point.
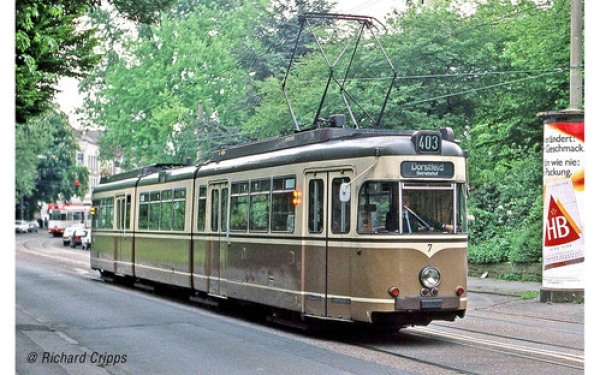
542 73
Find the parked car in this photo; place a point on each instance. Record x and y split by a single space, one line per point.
33 226
21 226
77 237
86 241
68 233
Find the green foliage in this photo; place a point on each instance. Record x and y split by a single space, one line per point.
147 102
45 162
485 71
51 42
142 11
48 45
505 137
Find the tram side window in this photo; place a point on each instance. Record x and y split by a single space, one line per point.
375 201
172 210
110 212
218 215
283 204
238 220
144 210
103 217
259 204
166 210
201 222
461 207
127 211
96 203
95 217
178 209
315 206
340 210
224 195
214 215
162 210
154 210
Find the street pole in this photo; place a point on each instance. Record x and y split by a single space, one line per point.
576 83
563 253
199 125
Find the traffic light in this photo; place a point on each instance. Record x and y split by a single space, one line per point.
92 210
76 185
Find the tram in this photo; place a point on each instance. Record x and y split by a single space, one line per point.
331 224
301 224
65 215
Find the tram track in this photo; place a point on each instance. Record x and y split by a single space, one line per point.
50 249
502 336
420 361
431 349
556 356
521 316
405 346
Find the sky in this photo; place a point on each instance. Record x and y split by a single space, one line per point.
372 8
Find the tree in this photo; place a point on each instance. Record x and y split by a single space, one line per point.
49 45
341 49
51 42
147 101
486 73
505 137
46 165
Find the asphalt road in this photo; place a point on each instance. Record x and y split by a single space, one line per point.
66 315
69 321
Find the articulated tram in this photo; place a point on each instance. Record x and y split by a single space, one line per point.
330 224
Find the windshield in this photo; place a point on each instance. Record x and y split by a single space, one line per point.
411 208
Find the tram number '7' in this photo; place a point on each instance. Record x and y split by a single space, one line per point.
429 246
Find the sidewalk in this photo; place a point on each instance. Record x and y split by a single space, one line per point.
522 298
502 287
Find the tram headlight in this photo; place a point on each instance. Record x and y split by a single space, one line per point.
430 277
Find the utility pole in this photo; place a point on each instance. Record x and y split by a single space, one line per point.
576 85
563 253
199 126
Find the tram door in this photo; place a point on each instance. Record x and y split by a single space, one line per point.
217 245
327 279
124 237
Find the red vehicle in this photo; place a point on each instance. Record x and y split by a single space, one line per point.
65 215
78 236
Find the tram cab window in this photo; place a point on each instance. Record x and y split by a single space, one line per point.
374 202
411 208
55 215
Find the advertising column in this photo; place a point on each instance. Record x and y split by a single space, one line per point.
563 233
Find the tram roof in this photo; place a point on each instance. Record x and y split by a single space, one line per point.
301 147
299 139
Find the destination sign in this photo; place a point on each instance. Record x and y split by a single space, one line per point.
427 169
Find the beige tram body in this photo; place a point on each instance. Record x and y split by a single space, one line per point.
321 257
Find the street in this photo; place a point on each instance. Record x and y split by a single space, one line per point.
69 321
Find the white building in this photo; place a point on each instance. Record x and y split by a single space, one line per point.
88 156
